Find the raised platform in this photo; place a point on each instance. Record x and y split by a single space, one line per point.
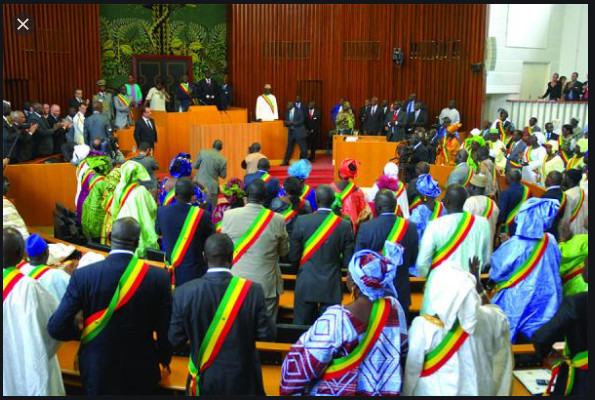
322 171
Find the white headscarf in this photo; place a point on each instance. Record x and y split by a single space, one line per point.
475 132
451 295
81 151
391 170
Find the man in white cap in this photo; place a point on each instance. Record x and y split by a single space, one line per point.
266 105
105 98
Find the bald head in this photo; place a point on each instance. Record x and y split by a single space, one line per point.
13 247
554 178
263 164
455 198
219 250
325 196
462 156
125 234
257 191
385 201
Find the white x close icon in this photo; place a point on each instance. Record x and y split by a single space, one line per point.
23 24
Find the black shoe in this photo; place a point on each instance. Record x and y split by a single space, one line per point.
284 164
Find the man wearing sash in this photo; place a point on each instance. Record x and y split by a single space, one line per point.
354 349
525 270
389 227
553 190
481 205
570 322
222 316
462 347
516 151
510 200
262 173
577 207
29 363
184 93
321 244
260 238
462 171
124 302
184 229
456 237
122 104
53 280
266 106
533 159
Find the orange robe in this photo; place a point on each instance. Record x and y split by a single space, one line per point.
452 147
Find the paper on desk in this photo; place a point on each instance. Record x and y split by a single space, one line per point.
529 379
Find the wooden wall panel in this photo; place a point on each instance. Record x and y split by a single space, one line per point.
61 54
326 27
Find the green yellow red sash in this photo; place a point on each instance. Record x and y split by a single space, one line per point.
86 176
563 201
400 190
314 242
469 176
169 197
415 203
104 239
578 207
502 131
305 191
127 286
528 157
218 330
183 243
126 192
269 102
445 151
526 267
10 277
123 99
573 162
448 347
252 234
510 219
289 213
218 226
350 188
266 177
378 317
489 208
37 272
580 361
438 209
95 179
529 129
573 273
80 166
397 232
186 88
459 235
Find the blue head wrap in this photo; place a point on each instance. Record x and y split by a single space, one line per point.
374 274
300 169
35 245
181 166
427 186
535 216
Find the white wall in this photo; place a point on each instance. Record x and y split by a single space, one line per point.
556 34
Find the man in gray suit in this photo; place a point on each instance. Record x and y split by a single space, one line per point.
260 263
461 171
296 132
97 126
211 166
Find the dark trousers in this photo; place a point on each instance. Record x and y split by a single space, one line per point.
312 143
291 141
306 312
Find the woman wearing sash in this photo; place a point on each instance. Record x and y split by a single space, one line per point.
131 199
94 211
179 167
574 250
354 349
425 208
461 348
301 169
551 162
525 270
390 180
349 198
291 204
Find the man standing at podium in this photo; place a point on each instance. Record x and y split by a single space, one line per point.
207 89
184 93
266 106
296 132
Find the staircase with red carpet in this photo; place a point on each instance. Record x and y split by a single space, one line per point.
322 171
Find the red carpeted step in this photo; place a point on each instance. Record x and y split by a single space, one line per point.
322 172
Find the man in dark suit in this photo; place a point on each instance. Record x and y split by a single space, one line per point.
553 184
145 129
226 94
272 185
373 121
517 148
123 358
420 116
236 368
549 132
372 235
10 135
296 132
207 90
395 123
169 223
97 126
318 284
184 92
300 104
43 138
313 120
23 150
78 100
510 198
574 88
61 126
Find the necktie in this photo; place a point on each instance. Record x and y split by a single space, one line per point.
311 113
148 121
291 115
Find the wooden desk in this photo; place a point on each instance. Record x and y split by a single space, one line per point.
274 141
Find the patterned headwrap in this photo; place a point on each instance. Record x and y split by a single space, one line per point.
348 168
391 170
234 190
535 216
181 166
427 186
374 274
300 169
452 128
